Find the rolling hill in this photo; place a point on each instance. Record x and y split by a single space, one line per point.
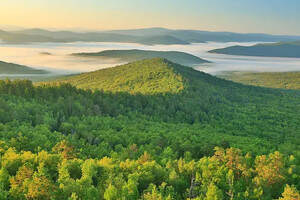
10 68
169 92
284 80
182 86
135 54
145 77
281 49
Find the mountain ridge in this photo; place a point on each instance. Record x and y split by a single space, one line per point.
11 68
137 54
142 35
280 49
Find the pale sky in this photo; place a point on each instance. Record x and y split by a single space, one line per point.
259 16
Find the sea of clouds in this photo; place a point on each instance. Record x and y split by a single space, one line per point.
59 61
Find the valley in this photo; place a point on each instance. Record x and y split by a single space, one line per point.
60 61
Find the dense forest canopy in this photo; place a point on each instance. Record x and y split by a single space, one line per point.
155 76
285 80
151 129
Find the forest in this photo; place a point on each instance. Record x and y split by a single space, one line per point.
151 129
286 80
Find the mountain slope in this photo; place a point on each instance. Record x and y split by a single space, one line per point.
192 96
281 49
285 80
135 54
145 77
10 68
159 90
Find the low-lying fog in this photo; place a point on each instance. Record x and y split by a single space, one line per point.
55 57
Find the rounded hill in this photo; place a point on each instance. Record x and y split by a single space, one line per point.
150 76
136 54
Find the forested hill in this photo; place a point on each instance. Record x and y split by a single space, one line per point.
189 95
151 76
281 49
148 132
284 80
136 54
11 68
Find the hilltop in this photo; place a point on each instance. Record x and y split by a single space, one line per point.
135 54
11 68
280 49
146 77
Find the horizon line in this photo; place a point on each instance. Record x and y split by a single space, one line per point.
82 30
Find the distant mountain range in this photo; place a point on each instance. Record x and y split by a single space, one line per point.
11 68
149 36
11 37
161 39
196 36
134 55
280 49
